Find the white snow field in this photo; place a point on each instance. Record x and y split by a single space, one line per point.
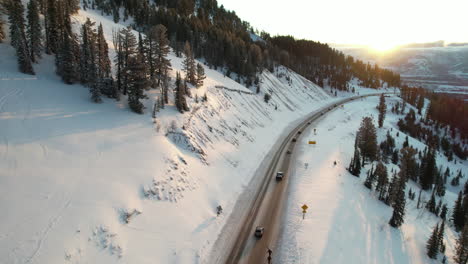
95 183
345 222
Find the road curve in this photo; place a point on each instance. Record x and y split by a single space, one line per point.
267 206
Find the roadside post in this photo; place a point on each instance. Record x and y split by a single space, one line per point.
269 255
304 210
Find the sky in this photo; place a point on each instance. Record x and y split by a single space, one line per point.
380 24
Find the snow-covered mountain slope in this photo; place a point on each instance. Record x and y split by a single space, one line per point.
95 183
345 222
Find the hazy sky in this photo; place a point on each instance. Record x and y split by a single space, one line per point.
378 23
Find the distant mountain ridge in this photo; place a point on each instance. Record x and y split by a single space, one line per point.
441 68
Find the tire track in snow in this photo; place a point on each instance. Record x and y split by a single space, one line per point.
18 79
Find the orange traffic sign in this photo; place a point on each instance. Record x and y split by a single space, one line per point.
312 142
304 207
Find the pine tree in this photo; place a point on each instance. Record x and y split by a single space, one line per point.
406 142
51 27
141 48
382 109
428 170
157 49
89 67
369 182
399 205
119 57
180 100
2 23
165 90
382 180
15 12
72 6
135 74
129 50
189 64
395 157
431 205
440 186
155 107
440 237
455 181
419 199
432 244
68 61
367 139
68 49
408 165
104 64
355 164
461 247
200 75
34 31
443 212
438 207
458 214
186 89
392 190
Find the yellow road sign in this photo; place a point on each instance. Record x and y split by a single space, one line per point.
312 142
304 207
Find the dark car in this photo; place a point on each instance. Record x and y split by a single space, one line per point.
294 140
299 132
279 176
288 152
259 230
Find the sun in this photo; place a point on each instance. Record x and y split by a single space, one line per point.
382 46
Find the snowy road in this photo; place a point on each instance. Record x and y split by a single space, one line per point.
268 205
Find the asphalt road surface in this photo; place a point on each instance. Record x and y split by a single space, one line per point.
270 198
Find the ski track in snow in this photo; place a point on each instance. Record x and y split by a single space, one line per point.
52 223
5 97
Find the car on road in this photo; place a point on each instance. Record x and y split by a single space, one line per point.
259 230
299 132
288 152
294 140
279 176
321 114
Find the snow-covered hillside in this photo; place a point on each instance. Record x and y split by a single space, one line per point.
345 222
95 183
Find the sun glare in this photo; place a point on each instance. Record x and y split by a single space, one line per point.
382 46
